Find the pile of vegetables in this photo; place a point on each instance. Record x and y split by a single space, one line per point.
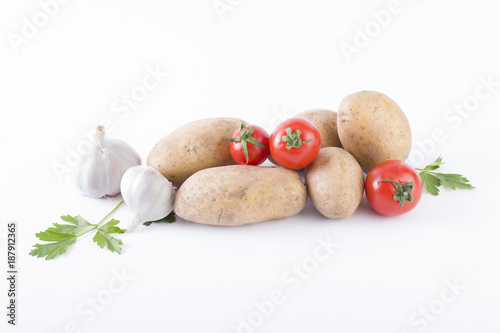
209 172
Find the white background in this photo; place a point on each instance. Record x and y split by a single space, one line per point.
260 61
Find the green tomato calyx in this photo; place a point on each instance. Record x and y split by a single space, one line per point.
403 191
293 139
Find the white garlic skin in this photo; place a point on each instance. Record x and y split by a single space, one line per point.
100 172
148 194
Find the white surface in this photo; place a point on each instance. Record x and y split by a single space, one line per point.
265 60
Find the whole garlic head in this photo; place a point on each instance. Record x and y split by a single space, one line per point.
100 172
147 193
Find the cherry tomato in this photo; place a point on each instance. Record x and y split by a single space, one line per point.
249 145
295 143
393 187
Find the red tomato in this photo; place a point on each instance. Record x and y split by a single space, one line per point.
250 145
393 187
295 143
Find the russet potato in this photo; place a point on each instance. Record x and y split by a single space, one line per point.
193 147
335 183
373 128
326 122
240 194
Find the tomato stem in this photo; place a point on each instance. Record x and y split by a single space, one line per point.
403 191
293 139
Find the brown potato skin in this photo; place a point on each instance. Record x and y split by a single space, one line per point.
326 122
373 128
240 194
193 147
335 183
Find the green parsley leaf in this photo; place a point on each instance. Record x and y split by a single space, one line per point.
52 250
170 218
62 236
111 228
51 236
453 181
78 224
70 219
435 165
104 239
63 228
432 180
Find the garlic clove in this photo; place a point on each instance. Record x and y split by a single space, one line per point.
100 172
148 194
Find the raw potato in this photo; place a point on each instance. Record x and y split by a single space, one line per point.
240 194
326 122
193 147
335 183
373 128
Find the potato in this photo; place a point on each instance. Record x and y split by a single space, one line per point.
335 183
326 122
240 194
193 147
373 128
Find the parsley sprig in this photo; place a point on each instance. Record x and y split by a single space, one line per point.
432 180
170 218
61 236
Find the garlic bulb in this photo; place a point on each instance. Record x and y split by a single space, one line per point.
148 194
101 171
